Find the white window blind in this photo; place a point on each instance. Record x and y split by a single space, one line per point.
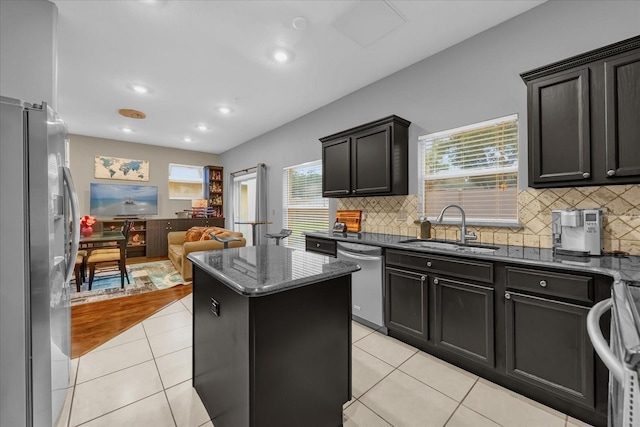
474 166
186 182
303 207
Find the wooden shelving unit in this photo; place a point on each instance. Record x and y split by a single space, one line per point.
214 180
137 242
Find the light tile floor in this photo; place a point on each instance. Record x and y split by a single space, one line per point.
142 378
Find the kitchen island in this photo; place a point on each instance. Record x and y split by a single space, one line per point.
271 336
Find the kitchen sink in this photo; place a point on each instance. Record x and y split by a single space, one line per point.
449 245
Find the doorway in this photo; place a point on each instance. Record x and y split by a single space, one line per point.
244 204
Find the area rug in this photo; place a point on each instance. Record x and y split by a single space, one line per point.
144 277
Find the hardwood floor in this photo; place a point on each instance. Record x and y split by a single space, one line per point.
95 323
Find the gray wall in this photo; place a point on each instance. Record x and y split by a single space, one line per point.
29 46
82 152
476 80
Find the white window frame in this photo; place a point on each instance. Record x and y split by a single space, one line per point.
185 180
425 176
318 204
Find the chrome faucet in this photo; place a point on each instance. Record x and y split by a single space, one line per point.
463 233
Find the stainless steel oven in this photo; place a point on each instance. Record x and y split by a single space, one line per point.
622 354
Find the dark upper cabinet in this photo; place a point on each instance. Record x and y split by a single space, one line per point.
336 168
582 118
622 110
560 132
369 160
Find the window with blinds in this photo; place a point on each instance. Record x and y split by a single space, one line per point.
303 207
474 166
186 182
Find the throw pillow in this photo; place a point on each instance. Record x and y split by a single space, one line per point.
193 234
207 231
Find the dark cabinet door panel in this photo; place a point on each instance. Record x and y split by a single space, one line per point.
560 128
548 346
336 168
157 244
371 152
622 105
322 246
464 320
406 302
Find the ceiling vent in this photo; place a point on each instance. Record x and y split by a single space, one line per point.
368 22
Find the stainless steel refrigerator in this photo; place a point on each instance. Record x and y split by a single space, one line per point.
38 245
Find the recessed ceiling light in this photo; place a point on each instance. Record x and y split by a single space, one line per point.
281 56
299 23
224 110
202 127
132 114
126 130
140 88
186 139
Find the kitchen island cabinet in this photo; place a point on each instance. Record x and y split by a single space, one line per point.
271 336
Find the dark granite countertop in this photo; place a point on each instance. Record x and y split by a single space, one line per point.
626 268
256 271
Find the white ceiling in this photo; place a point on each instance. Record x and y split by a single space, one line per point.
196 56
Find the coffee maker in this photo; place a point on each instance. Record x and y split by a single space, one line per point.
577 232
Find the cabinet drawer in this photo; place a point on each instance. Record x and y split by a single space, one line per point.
323 246
454 267
570 286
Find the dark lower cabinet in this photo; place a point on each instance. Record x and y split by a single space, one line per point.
464 321
321 246
406 302
547 345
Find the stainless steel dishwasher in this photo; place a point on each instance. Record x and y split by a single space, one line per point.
366 284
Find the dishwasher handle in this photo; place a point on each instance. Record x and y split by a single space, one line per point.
597 339
358 256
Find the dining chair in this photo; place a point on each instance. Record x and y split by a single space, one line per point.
111 257
80 269
283 234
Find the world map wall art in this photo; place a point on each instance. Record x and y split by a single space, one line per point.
117 168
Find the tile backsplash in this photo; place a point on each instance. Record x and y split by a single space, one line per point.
621 204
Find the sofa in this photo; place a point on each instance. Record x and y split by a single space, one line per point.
182 243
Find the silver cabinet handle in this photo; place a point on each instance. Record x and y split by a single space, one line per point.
317 245
586 175
346 191
353 191
423 278
543 283
429 264
436 281
507 295
611 172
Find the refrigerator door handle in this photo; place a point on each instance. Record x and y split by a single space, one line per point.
75 215
599 343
